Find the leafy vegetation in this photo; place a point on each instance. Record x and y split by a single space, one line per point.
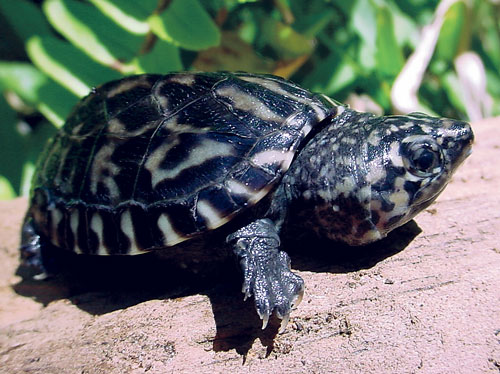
387 56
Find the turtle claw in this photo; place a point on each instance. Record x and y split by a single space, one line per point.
297 299
284 323
286 318
284 291
265 320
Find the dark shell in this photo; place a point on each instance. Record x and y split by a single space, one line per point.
148 161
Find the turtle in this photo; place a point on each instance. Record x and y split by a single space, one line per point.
150 162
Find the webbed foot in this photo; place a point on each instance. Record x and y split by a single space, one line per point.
266 271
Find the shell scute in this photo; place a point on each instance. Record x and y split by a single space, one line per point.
119 95
176 91
214 207
139 119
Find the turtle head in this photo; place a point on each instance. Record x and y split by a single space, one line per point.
363 175
410 159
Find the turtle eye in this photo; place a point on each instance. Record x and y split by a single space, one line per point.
423 159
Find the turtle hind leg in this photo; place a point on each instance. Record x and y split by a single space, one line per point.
34 251
266 270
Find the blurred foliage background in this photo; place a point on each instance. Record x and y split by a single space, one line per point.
441 57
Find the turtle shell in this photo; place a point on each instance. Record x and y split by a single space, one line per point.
149 161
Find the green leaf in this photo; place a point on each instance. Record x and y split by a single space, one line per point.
6 190
11 144
25 18
186 24
35 142
312 24
489 35
380 93
21 78
91 31
364 24
37 89
452 87
131 15
27 176
407 30
287 42
388 55
453 33
20 149
232 54
493 82
55 102
332 75
67 65
164 58
490 44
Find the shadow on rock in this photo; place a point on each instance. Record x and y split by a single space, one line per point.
238 325
318 255
100 285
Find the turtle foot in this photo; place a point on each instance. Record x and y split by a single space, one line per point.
274 288
266 271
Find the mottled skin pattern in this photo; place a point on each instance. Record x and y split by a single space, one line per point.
150 161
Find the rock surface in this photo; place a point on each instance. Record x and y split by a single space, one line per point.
425 300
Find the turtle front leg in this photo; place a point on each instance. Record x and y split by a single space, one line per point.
266 270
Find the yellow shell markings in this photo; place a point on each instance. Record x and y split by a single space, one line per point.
251 196
101 162
211 215
74 222
185 79
96 225
129 84
206 150
171 236
152 161
127 227
273 156
56 217
248 103
117 128
275 87
238 188
162 100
